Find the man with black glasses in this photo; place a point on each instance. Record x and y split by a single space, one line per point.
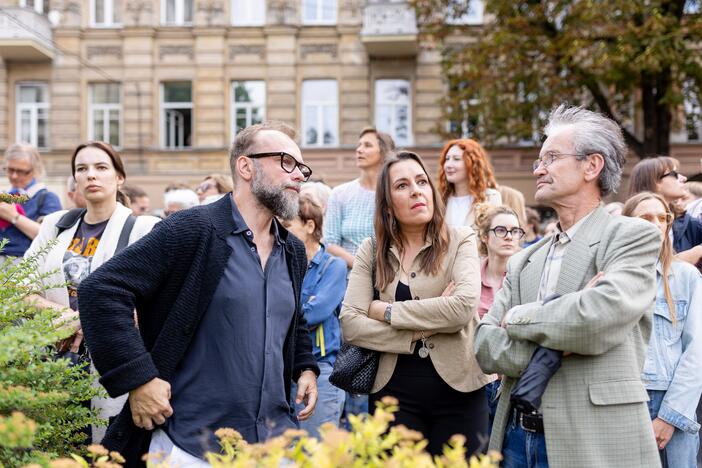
221 332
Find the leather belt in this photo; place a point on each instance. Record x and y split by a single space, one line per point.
530 422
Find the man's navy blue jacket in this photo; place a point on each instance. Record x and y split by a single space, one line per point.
169 277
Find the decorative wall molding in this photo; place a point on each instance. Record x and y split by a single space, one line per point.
247 49
176 50
329 49
93 51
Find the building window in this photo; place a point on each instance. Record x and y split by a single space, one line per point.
318 11
176 115
320 113
473 15
40 6
463 118
105 113
176 12
693 112
32 118
249 104
393 110
248 12
105 13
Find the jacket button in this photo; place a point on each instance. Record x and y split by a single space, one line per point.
431 345
413 275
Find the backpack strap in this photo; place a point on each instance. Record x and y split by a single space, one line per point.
40 201
70 218
124 235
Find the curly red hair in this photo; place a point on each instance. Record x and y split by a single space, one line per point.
478 169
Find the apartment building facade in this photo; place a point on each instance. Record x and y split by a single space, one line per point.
170 82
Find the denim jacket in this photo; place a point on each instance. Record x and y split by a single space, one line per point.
322 292
674 356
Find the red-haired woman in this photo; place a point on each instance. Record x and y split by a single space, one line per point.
465 179
88 242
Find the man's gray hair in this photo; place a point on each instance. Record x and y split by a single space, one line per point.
245 140
593 133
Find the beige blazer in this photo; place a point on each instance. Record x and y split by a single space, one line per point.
594 407
454 318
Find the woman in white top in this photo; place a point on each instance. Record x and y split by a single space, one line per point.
465 179
87 243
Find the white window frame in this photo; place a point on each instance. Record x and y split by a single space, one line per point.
321 125
243 12
104 134
248 106
474 16
319 17
379 102
165 107
38 6
33 108
179 14
109 6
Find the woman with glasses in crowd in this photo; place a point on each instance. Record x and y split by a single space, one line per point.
428 280
660 175
213 187
499 235
19 223
465 179
322 292
83 240
673 365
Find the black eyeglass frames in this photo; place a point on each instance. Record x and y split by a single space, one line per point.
287 162
501 231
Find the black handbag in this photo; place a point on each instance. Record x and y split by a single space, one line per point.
355 368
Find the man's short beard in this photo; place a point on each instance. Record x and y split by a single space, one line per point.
282 204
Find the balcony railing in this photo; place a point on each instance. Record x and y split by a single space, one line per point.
389 28
25 35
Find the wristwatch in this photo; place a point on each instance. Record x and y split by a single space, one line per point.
388 313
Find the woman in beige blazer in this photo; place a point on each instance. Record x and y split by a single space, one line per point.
428 278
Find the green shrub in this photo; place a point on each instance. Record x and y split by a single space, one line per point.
32 381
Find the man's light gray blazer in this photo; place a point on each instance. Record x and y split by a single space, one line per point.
594 408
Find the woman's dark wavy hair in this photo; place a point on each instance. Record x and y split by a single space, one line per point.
387 228
116 163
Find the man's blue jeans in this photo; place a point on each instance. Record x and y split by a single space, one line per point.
681 450
523 449
330 402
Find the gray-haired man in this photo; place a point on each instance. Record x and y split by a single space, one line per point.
593 412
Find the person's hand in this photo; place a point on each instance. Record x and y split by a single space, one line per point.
150 403
307 392
449 289
70 320
595 279
663 432
7 211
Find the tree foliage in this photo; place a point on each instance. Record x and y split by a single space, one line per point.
629 59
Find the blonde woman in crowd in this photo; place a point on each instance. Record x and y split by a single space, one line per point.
465 179
213 187
427 276
673 366
499 234
84 240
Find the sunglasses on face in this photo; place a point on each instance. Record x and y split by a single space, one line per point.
287 162
673 173
204 187
501 232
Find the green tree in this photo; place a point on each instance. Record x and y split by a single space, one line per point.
624 58
32 382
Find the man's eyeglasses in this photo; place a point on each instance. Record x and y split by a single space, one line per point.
549 158
501 232
666 218
20 172
287 162
675 174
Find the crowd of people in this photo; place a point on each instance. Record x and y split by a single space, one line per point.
573 341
